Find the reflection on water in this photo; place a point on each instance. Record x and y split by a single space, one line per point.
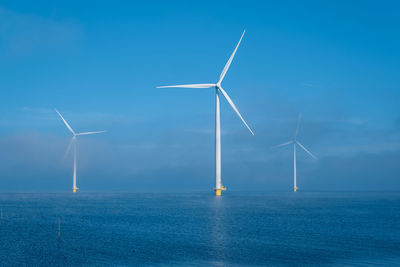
218 230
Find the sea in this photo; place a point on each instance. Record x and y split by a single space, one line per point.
200 229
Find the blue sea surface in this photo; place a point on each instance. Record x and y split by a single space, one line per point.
199 229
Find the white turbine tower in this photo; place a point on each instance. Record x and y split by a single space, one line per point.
296 142
218 89
73 141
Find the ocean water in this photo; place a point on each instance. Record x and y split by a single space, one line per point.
199 229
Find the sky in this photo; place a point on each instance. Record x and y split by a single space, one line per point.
99 62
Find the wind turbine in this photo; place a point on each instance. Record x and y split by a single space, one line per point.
73 141
218 89
296 142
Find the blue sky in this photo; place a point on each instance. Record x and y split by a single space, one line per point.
99 62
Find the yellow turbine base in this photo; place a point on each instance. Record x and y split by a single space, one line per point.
74 190
295 189
218 190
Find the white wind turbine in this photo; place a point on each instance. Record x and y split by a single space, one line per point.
73 141
218 89
296 142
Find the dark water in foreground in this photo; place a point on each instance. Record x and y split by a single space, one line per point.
240 228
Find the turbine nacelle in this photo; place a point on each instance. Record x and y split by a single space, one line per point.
295 142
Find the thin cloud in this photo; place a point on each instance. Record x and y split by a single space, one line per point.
309 85
24 34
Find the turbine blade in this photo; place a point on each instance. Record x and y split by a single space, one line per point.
221 77
298 126
200 85
68 148
86 133
284 144
306 150
234 107
66 123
